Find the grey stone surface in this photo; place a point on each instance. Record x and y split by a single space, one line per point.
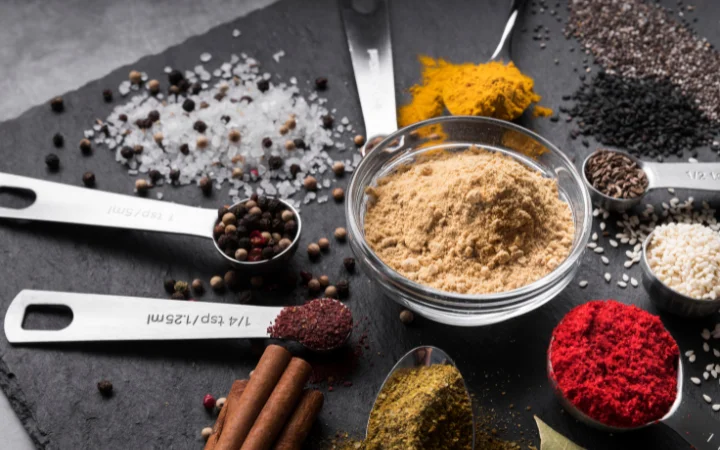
160 385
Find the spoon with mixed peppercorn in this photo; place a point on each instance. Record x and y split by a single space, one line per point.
258 233
320 325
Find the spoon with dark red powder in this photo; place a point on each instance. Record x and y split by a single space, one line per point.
320 325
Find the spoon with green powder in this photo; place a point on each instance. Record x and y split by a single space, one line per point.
425 387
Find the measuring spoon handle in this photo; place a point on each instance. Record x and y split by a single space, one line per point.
698 176
697 427
367 29
116 318
57 202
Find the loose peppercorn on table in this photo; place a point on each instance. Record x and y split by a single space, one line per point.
158 388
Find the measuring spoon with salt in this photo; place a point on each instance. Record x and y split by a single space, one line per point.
697 176
57 202
697 428
424 356
118 318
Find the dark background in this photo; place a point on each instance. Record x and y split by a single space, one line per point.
159 386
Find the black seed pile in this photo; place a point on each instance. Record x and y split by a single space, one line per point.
641 39
646 117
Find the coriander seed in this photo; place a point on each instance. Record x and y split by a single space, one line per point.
201 142
234 136
198 287
241 254
359 140
314 285
289 145
230 229
331 292
181 287
287 215
284 130
205 185
135 77
324 244
313 250
154 86
158 137
338 194
105 387
340 233
217 283
88 179
406 316
57 104
324 281
58 140
206 433
237 172
338 168
229 218
284 243
85 146
52 161
310 183
141 186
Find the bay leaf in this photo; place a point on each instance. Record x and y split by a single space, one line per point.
552 440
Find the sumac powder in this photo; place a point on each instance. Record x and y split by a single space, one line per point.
616 363
320 324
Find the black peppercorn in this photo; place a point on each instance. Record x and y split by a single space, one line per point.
277 225
239 211
196 88
155 175
85 146
107 95
154 115
321 83
205 185
244 242
88 179
123 117
222 211
175 77
184 85
299 143
188 105
225 119
275 162
267 253
290 226
349 264
174 175
57 104
294 170
273 205
105 387
267 142
127 152
343 288
58 140
52 161
263 85
327 121
169 285
199 126
184 149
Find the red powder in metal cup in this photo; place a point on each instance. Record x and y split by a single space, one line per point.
321 324
616 363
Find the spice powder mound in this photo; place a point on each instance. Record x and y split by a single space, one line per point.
471 222
422 408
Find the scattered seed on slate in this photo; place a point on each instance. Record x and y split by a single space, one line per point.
88 179
52 161
58 140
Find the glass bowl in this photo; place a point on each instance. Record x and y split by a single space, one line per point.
457 134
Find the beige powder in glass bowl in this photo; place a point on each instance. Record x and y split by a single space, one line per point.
472 222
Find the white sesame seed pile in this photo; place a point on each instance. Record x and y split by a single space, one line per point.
230 99
686 257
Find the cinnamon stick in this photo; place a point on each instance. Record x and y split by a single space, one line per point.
279 406
298 427
236 391
242 414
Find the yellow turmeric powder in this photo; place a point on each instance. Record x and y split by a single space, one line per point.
491 89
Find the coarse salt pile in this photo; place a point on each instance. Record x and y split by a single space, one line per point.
686 257
282 135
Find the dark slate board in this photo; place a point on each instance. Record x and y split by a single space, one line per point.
159 386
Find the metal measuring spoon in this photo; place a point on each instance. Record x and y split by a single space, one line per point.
57 202
424 357
698 176
685 419
668 299
118 318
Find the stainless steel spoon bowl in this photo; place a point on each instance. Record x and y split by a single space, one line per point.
697 176
57 202
668 299
425 356
695 426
